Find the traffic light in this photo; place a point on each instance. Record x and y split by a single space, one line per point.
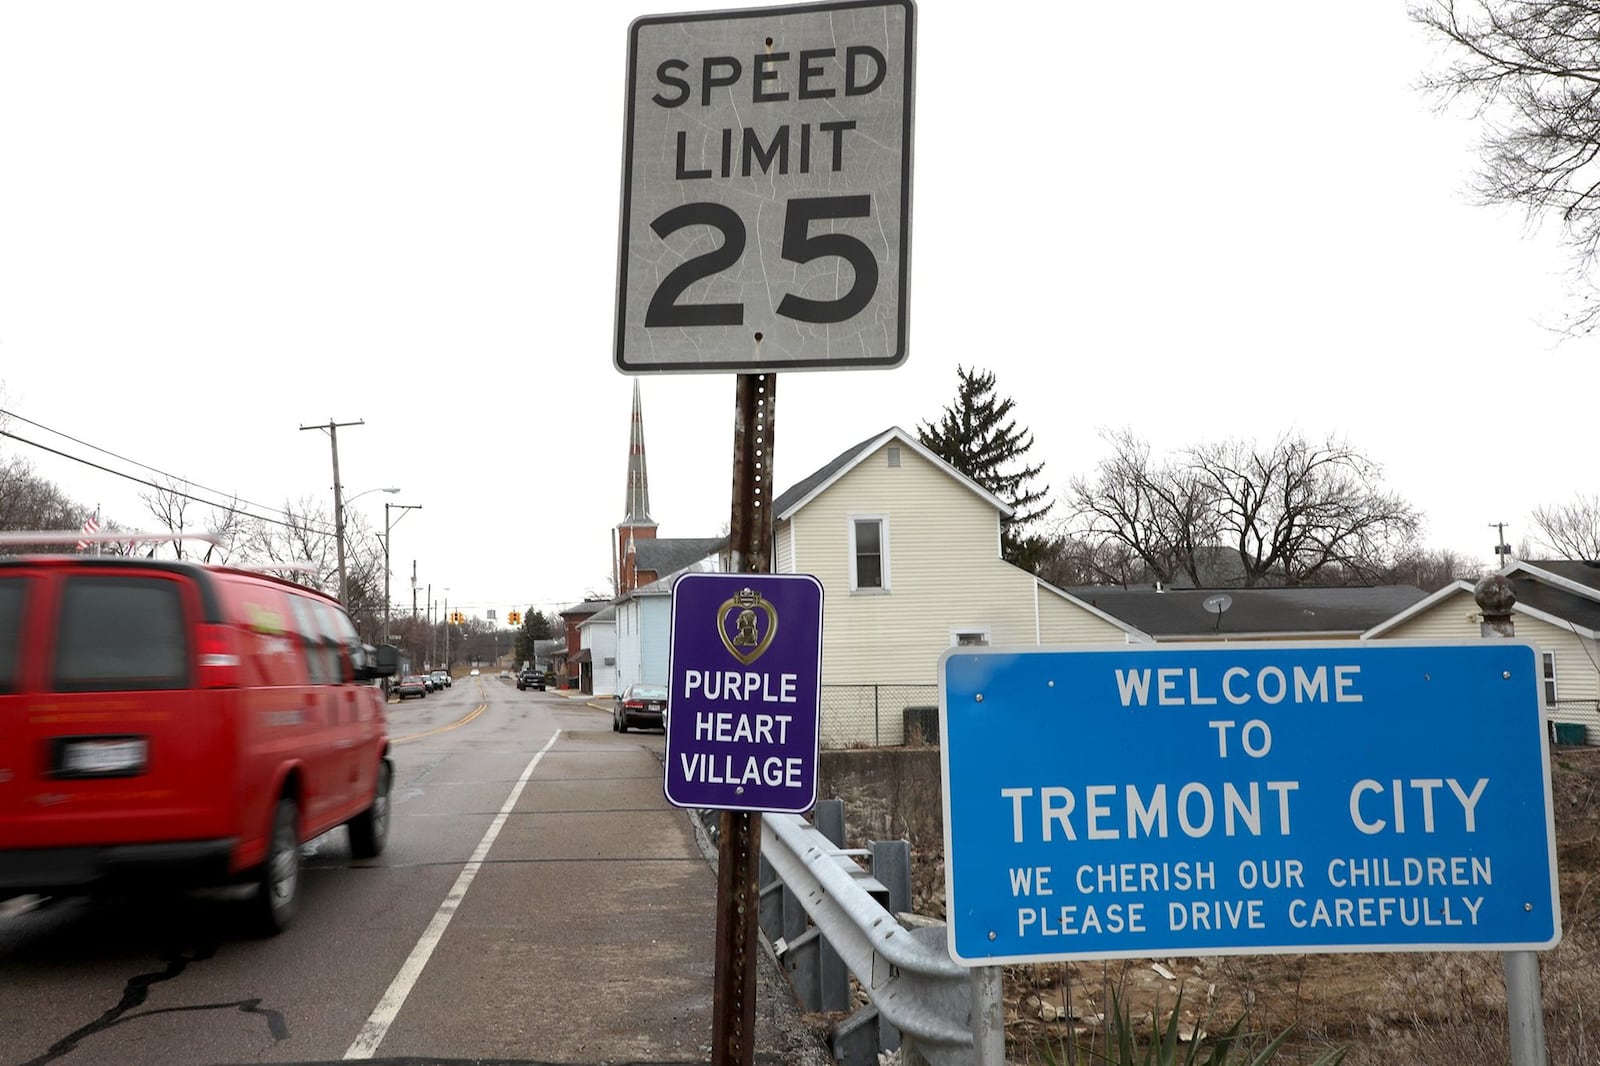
457 617
515 618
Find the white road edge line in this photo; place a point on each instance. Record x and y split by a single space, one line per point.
388 1008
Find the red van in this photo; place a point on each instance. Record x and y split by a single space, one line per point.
177 723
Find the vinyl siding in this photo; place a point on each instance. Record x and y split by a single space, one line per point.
944 573
1577 658
655 631
1063 622
783 556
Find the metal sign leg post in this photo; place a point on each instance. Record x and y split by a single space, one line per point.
733 1007
1524 993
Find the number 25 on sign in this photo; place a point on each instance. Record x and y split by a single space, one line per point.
766 189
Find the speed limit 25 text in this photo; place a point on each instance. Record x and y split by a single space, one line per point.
782 81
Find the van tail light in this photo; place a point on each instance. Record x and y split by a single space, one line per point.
220 665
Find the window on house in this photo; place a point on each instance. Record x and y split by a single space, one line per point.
969 638
1549 663
894 455
869 553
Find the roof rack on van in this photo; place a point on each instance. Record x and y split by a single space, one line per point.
75 536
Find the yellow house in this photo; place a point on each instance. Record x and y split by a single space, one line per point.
908 552
1557 608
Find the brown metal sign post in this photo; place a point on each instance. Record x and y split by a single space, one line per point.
733 1005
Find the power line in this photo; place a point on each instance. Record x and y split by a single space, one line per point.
143 466
161 488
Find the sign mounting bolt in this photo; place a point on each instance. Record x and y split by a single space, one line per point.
979 697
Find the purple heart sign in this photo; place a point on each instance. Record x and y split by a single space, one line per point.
745 693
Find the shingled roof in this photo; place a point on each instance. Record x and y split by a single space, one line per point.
1181 614
666 555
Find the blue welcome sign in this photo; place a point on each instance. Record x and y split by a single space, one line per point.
744 697
1246 798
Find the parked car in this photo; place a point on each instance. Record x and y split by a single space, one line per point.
186 703
441 679
411 685
640 704
530 678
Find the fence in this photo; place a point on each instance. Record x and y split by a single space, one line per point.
1574 721
875 716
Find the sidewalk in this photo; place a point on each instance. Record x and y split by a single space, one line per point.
783 1036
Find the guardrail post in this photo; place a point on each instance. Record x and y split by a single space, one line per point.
891 865
828 817
833 977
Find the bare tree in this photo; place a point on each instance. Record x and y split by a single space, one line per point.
1431 571
1298 508
173 505
1233 513
28 501
303 538
1161 514
1572 530
1531 71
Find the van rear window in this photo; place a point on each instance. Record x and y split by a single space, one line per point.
10 632
119 633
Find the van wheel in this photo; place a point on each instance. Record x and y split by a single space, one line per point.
369 830
278 882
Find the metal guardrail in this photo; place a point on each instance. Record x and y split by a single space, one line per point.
944 1013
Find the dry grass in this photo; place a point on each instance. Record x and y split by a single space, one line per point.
1418 1009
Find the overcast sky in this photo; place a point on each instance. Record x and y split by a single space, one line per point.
222 221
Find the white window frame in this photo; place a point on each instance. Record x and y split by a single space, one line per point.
1547 675
883 553
969 631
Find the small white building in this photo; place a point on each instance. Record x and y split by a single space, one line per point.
597 652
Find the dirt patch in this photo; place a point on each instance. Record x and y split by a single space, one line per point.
1429 1009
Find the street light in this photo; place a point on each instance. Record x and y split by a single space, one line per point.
338 531
387 526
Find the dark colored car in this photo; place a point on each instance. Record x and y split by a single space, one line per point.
530 679
411 685
642 705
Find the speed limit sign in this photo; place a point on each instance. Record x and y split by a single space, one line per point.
766 189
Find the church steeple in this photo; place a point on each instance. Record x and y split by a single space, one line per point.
637 511
636 524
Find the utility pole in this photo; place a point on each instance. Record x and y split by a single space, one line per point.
1502 550
388 526
447 630
338 496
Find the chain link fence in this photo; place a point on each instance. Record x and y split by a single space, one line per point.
875 716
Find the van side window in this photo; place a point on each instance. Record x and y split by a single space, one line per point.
322 662
121 633
11 597
340 635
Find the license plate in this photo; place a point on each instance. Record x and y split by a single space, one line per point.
655 706
103 757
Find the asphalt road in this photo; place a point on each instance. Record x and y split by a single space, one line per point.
538 902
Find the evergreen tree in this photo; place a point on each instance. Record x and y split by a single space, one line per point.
978 436
536 626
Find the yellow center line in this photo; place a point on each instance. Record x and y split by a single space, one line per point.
479 709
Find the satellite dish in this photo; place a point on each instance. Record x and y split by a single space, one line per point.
1217 604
